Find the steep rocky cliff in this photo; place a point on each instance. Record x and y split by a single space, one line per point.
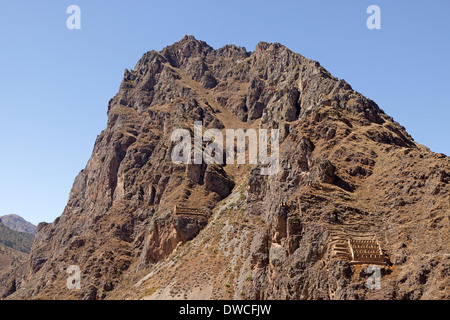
345 168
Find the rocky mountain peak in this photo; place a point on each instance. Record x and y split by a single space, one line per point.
348 172
18 223
188 47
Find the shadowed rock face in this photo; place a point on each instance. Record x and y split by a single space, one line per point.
343 162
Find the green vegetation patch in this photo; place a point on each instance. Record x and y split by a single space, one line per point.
19 241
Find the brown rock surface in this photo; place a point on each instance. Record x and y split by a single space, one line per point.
343 163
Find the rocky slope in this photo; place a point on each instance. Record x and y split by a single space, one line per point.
344 165
14 248
10 259
18 223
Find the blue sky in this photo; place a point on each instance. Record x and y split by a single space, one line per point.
55 83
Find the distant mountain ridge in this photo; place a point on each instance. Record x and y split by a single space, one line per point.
17 223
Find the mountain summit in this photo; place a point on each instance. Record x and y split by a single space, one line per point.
18 223
353 189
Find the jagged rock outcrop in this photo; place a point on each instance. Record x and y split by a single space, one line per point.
344 163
